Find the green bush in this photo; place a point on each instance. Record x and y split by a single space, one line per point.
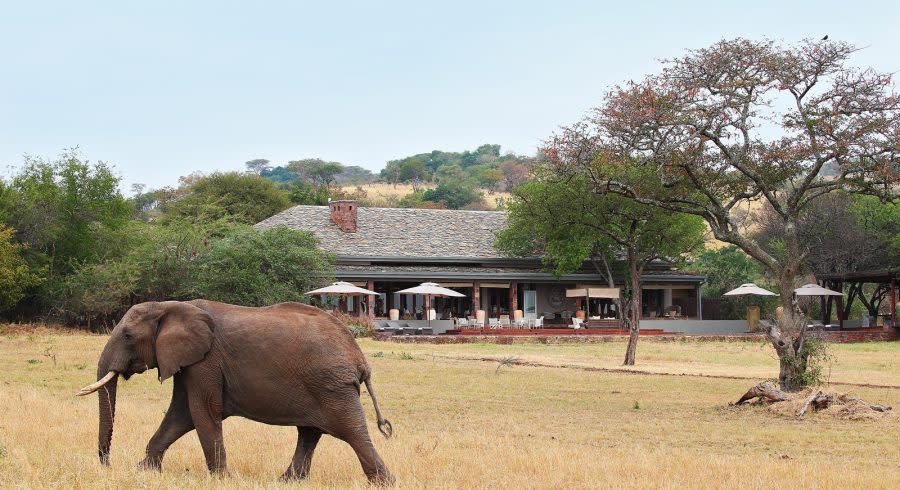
62 209
454 195
253 268
16 276
818 360
217 261
243 198
311 194
98 294
411 200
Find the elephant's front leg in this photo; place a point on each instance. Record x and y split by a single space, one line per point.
176 423
307 438
205 403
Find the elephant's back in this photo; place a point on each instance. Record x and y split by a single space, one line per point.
285 332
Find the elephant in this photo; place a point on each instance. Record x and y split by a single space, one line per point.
287 364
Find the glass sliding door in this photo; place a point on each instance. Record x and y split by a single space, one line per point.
529 303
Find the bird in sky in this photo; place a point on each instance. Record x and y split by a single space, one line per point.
825 38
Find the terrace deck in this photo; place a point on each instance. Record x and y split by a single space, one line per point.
554 331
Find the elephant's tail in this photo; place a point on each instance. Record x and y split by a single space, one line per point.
384 425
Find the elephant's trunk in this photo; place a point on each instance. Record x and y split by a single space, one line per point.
107 397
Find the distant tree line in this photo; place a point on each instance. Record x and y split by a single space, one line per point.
484 167
451 180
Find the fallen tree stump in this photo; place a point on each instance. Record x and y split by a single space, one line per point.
766 391
818 400
798 404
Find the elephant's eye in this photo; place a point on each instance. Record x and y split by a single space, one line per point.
127 335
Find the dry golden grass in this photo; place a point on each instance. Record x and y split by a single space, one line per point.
863 363
464 424
382 194
744 210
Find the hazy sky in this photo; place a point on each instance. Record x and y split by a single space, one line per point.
160 89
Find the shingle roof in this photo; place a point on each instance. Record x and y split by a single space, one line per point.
399 232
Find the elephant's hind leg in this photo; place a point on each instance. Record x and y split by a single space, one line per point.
307 438
176 423
349 424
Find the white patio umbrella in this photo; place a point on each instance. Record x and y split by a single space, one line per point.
342 288
431 290
815 290
749 288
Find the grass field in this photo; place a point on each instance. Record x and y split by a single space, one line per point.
463 423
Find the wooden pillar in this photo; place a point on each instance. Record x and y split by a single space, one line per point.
840 306
894 302
427 309
699 302
513 298
822 306
476 297
370 299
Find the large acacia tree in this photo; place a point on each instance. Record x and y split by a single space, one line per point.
559 218
741 121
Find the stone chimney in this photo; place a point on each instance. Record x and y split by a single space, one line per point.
343 214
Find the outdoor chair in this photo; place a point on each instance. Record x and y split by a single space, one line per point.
539 322
521 323
576 323
395 326
673 311
504 321
474 323
461 323
493 323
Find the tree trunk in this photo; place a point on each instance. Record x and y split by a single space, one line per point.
632 317
788 334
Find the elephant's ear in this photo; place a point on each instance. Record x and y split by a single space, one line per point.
184 336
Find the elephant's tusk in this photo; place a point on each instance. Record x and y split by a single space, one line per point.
87 390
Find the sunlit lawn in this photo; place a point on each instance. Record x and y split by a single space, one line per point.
863 363
464 423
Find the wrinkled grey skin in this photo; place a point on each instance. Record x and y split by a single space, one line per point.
287 364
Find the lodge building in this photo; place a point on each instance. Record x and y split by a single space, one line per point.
390 249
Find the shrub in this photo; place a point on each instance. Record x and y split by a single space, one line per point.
218 261
243 198
98 294
16 277
818 360
253 268
454 194
310 194
411 200
358 326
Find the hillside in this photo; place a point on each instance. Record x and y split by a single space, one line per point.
474 179
382 194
